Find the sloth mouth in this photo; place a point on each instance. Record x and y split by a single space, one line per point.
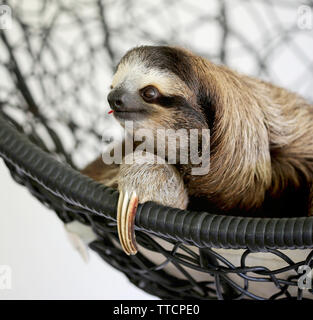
129 114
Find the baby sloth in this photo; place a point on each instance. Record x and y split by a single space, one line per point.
261 139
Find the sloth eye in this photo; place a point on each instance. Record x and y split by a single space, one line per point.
149 93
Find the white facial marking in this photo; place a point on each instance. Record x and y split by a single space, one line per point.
134 76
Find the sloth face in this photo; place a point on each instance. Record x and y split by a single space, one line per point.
154 87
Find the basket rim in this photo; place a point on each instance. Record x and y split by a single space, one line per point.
201 229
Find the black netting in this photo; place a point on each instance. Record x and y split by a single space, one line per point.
56 65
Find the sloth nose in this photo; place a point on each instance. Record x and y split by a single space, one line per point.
116 99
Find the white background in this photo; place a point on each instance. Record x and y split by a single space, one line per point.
43 262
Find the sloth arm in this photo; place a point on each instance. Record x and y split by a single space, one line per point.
160 183
142 180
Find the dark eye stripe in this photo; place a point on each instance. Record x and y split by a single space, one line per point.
181 103
172 101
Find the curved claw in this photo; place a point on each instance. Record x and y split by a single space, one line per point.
126 212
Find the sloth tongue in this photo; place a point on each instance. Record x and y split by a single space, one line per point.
111 111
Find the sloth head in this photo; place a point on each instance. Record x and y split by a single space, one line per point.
158 86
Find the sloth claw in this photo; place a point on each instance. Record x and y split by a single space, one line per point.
126 211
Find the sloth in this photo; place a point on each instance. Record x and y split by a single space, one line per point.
261 139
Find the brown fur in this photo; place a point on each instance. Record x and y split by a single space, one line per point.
101 172
261 135
262 139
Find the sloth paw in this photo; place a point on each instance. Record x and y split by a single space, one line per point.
141 181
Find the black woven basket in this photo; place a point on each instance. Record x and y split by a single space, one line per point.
43 141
